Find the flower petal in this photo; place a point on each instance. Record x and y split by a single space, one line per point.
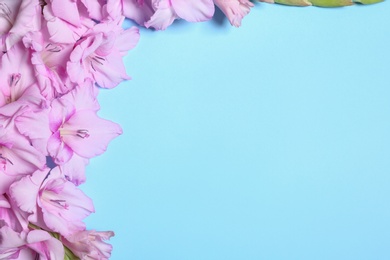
194 10
100 133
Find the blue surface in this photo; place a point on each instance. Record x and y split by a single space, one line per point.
271 141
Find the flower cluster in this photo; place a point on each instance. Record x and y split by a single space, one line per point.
55 55
159 14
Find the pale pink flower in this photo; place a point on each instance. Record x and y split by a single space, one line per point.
74 169
22 152
64 22
71 11
6 181
8 14
98 56
76 127
17 156
235 10
46 246
11 215
138 10
34 244
166 11
49 61
94 8
34 125
17 73
16 19
89 244
53 202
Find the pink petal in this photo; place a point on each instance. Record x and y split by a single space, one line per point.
36 236
61 110
49 60
67 218
194 10
27 20
13 241
57 149
16 63
9 14
62 32
74 169
137 12
25 191
6 181
47 246
162 18
235 10
94 8
21 158
100 133
90 244
111 72
66 10
35 125
127 40
83 97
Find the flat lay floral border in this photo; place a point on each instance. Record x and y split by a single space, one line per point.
55 56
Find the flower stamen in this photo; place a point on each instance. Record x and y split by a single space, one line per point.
53 48
61 203
14 80
3 162
82 133
98 59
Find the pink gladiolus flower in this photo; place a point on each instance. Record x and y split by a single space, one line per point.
137 10
98 56
90 244
35 244
235 10
76 128
52 202
16 19
74 169
17 156
17 74
166 11
64 22
94 8
8 13
49 60
11 215
71 10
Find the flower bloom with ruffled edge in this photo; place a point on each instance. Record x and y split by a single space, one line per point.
52 202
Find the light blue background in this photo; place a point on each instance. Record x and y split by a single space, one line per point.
271 141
